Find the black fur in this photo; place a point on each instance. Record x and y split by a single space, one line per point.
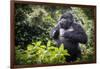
72 34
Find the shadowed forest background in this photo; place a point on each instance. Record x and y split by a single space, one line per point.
33 24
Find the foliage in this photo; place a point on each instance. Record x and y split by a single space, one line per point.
85 18
41 54
32 27
34 22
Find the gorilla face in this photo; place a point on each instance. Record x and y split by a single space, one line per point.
66 20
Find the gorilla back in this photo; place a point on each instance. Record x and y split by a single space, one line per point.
70 34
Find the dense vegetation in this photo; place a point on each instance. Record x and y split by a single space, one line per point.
32 27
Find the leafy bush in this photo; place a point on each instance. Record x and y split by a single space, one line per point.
36 53
32 27
35 22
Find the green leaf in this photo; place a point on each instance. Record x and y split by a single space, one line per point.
49 43
38 43
61 47
43 46
29 47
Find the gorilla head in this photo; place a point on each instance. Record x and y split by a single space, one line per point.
66 20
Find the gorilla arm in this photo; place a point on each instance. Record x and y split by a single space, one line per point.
55 33
77 35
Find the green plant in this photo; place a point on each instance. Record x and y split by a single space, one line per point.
36 53
33 24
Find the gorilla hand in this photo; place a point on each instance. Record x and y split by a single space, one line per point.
55 34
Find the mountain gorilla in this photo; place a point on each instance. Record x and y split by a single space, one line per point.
70 34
